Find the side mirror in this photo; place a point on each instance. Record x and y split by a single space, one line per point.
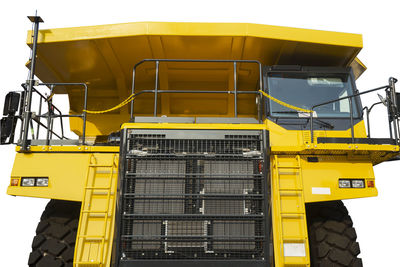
382 99
6 128
11 103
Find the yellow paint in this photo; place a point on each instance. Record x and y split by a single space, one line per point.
326 174
97 218
79 149
199 126
66 172
289 223
103 57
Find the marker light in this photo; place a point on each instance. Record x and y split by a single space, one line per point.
344 183
371 184
42 182
14 182
357 183
28 182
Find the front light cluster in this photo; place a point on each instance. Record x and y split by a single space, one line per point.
38 181
351 183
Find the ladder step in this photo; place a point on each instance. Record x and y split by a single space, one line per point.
291 189
288 167
98 188
95 211
101 166
102 193
295 239
89 263
93 237
292 214
105 172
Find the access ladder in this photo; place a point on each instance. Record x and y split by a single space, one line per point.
288 211
94 238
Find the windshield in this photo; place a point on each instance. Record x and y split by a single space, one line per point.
305 90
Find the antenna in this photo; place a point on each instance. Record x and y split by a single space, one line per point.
30 82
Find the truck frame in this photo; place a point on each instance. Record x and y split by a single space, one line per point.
197 143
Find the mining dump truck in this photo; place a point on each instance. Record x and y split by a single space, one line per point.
197 144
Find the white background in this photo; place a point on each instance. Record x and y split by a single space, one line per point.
375 219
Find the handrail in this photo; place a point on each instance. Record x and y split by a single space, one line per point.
386 87
50 114
156 90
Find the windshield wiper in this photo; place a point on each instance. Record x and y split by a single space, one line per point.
318 121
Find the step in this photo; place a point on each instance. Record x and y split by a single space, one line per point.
102 166
95 211
291 189
288 167
294 239
89 263
93 238
98 188
292 214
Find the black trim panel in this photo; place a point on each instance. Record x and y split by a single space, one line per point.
346 140
193 263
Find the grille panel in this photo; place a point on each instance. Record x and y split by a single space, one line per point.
196 199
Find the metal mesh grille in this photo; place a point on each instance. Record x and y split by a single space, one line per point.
192 199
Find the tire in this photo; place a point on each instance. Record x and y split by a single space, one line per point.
54 243
332 237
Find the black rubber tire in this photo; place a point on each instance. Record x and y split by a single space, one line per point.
332 237
54 243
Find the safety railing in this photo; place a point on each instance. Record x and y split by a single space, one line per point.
392 107
52 113
157 91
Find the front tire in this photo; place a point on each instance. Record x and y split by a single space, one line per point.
332 237
54 243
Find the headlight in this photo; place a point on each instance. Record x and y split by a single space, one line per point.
344 183
35 181
357 183
42 182
28 182
351 183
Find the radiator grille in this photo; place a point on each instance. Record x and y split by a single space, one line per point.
192 199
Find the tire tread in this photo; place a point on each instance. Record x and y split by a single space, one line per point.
54 243
332 237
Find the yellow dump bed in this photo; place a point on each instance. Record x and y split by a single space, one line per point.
104 56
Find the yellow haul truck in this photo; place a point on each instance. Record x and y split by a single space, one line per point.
198 144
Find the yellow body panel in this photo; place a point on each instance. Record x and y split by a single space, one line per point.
294 182
194 126
321 178
103 57
66 172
